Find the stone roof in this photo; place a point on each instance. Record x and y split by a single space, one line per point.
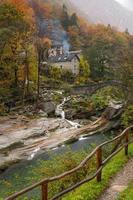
62 58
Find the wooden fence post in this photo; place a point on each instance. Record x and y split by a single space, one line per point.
126 140
99 163
44 191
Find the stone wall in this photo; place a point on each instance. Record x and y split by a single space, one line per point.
72 66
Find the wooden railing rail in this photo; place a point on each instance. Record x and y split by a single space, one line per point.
98 151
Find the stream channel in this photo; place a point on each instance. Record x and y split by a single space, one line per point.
23 168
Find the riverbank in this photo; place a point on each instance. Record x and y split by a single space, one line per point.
93 189
21 138
57 165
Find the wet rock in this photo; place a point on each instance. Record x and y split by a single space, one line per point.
47 107
70 113
71 140
53 128
13 117
112 112
37 134
29 114
42 113
93 118
64 124
20 112
7 162
83 121
11 146
83 114
80 113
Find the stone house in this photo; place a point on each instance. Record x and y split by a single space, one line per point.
68 61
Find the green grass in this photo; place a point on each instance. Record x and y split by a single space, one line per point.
127 194
92 190
40 169
57 165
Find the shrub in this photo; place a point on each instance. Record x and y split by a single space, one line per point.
100 100
127 117
2 110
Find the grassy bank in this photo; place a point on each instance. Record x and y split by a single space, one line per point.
92 190
58 164
37 170
127 194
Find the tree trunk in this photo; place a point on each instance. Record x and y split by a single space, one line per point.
15 76
38 82
26 78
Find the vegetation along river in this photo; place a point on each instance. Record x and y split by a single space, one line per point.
19 175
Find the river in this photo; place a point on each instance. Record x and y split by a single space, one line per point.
82 143
16 176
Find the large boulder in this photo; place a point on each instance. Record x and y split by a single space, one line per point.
47 107
113 111
70 113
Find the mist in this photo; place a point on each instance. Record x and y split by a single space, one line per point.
126 3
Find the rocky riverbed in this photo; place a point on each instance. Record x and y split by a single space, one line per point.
22 138
44 126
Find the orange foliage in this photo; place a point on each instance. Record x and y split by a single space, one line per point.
47 42
47 9
23 6
44 8
73 31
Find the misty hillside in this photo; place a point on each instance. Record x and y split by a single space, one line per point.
106 12
129 4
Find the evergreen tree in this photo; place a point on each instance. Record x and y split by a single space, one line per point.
126 31
65 18
74 20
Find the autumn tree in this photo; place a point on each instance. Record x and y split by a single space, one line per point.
26 46
13 43
84 71
42 46
11 22
24 8
75 37
55 73
106 50
124 74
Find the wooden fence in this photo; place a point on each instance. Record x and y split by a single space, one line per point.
121 142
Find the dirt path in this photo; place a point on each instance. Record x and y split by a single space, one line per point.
119 183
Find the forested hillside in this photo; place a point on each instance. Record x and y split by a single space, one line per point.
106 12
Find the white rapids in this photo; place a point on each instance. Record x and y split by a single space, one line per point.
60 112
34 153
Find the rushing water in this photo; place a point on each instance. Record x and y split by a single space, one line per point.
60 112
18 174
23 168
82 143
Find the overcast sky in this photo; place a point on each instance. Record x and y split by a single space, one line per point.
127 3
